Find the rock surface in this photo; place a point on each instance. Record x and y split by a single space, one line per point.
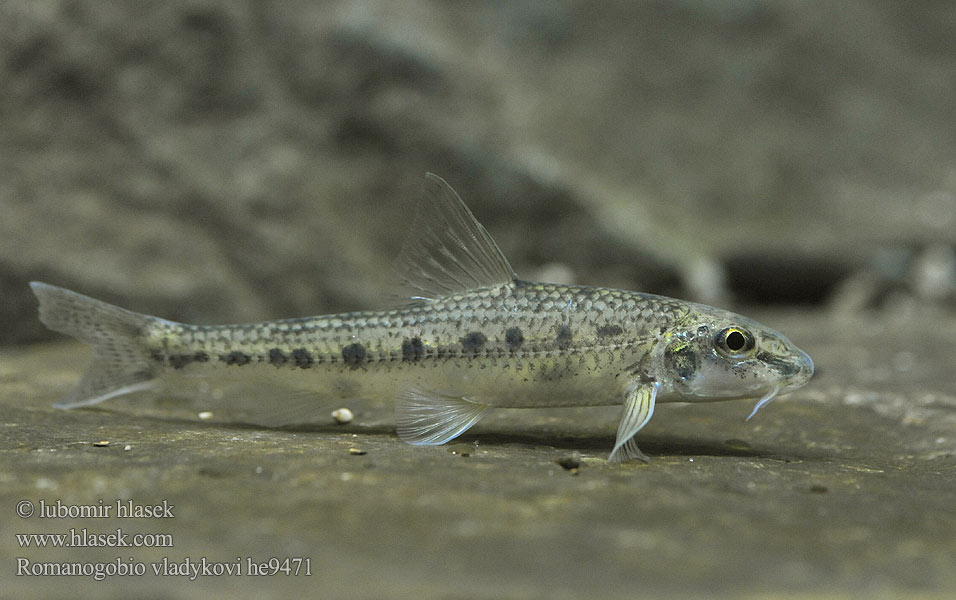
843 489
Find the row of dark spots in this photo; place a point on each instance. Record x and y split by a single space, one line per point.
413 350
473 342
178 361
299 357
353 355
236 358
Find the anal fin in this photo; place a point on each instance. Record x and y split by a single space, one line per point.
638 410
431 419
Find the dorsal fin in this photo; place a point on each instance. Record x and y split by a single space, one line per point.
447 251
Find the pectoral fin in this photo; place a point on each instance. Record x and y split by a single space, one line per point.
430 419
638 409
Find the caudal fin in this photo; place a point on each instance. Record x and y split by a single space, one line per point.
121 360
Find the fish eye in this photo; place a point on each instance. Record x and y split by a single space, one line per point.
734 342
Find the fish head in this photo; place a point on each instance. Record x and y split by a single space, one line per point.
724 356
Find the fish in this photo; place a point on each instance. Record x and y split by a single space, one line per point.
469 336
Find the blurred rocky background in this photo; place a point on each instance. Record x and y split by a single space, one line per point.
219 161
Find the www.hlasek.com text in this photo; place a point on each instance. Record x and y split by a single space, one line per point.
82 538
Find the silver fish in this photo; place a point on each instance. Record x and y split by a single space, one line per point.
473 337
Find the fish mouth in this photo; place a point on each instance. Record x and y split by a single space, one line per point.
804 373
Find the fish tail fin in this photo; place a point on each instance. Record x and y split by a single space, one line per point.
121 360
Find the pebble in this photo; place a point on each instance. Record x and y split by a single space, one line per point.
463 450
342 415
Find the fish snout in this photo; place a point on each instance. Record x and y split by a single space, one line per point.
804 365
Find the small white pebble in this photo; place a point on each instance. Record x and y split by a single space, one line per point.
342 415
206 414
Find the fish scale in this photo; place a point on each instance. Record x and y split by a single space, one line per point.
473 337
536 310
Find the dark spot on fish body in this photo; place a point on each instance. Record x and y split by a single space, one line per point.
413 350
514 337
178 361
354 355
277 357
473 342
201 357
303 358
606 331
235 358
564 337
